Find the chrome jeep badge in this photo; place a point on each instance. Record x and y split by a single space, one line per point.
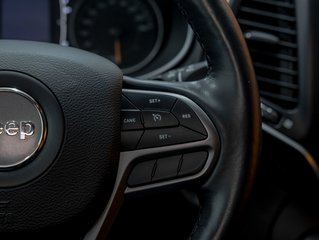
22 127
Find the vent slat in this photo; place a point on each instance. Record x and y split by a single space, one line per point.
277 83
276 62
254 11
288 44
266 27
277 69
273 55
278 97
277 3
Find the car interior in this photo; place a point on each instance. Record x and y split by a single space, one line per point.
159 119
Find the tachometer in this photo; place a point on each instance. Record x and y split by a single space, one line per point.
128 32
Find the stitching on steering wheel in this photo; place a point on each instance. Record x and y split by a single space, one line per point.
202 44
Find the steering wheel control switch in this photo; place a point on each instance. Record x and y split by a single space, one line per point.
168 136
161 120
151 101
142 173
187 117
130 139
167 168
192 163
131 120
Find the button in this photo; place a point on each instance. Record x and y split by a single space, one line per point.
141 173
269 114
166 168
187 117
193 163
156 119
168 136
126 104
151 101
131 120
130 139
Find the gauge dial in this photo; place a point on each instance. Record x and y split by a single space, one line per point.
128 32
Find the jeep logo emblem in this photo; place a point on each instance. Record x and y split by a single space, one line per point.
22 127
12 128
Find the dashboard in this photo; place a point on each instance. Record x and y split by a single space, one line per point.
143 38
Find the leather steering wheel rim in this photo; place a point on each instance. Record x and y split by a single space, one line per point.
234 107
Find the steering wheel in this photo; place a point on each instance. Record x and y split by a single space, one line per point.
75 137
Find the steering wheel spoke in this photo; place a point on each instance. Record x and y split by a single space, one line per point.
168 142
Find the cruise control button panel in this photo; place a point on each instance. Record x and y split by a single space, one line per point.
158 119
167 140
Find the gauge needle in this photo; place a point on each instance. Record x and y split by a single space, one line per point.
117 51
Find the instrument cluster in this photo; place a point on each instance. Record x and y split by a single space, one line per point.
143 37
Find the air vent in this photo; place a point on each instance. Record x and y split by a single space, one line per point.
270 29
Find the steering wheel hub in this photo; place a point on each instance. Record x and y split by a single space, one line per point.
52 161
